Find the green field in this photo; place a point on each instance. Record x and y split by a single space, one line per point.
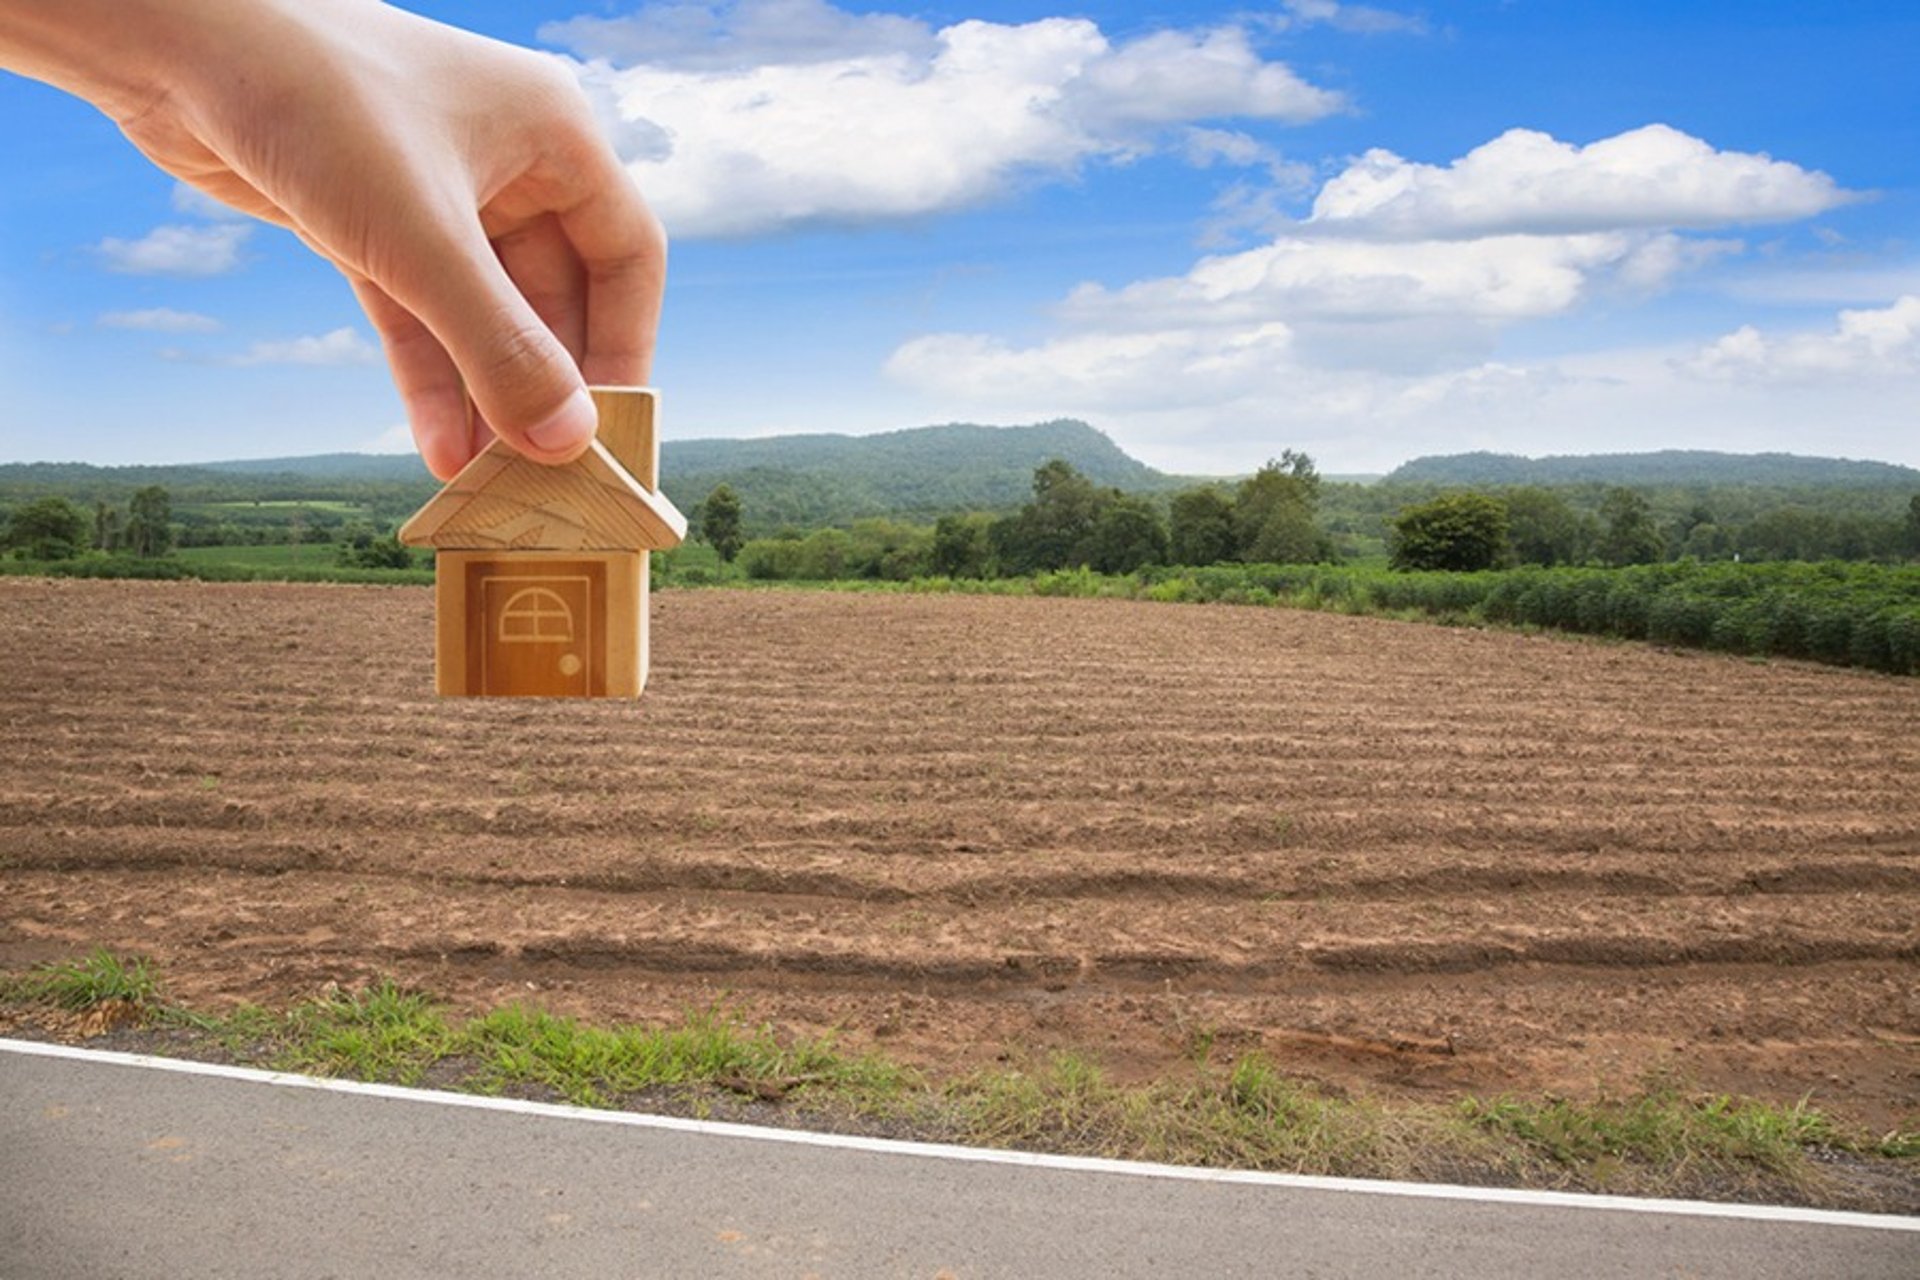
285 504
312 555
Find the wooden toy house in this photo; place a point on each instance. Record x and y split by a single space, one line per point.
541 571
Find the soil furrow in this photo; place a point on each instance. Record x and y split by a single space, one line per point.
1394 857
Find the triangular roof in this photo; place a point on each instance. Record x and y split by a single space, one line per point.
503 501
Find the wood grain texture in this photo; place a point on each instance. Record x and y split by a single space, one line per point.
627 417
542 572
501 500
540 624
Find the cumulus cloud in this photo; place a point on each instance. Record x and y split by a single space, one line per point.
1863 343
159 320
1325 330
746 118
343 346
1498 277
177 251
1528 182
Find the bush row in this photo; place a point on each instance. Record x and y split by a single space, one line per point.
170 569
1848 614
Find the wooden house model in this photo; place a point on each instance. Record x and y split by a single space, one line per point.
541 571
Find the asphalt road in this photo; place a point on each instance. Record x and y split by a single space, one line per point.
114 1169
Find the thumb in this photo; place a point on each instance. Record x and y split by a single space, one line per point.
524 383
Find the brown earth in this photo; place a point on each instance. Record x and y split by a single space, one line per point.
1398 858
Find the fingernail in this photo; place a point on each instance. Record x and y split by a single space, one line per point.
566 428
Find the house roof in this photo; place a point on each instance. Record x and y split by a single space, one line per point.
503 501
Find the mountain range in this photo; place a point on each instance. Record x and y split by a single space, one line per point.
808 481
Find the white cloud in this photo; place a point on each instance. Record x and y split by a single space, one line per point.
1527 182
177 251
159 320
1368 346
1499 277
340 347
1865 343
748 118
1204 148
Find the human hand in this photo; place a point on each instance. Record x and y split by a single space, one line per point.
460 184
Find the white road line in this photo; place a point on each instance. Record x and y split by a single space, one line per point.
983 1155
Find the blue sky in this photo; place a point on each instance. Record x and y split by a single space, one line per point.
1367 231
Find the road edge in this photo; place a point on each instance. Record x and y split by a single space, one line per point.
977 1155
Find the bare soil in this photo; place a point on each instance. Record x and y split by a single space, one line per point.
1400 859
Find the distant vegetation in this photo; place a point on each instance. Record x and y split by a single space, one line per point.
1663 469
1720 545
1847 615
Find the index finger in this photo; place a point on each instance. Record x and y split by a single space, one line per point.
624 251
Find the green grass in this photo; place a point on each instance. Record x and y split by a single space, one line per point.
1248 1113
96 978
1842 613
313 562
1662 1128
311 555
281 504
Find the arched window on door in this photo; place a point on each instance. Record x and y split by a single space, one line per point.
535 615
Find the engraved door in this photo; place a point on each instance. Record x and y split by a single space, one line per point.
542 628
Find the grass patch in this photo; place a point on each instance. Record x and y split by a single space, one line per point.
382 1033
1250 1116
215 566
1660 1134
1248 1113
593 1065
269 555
97 978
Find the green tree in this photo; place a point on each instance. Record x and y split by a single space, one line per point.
1201 527
720 522
1791 532
825 555
1457 531
150 522
1913 526
1543 528
48 529
888 549
1708 542
1630 535
106 525
960 547
365 550
1273 513
1054 530
1127 534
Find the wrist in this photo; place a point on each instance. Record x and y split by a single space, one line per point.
125 56
112 53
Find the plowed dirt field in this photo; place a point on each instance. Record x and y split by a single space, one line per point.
1396 857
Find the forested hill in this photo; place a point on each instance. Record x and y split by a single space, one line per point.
921 472
804 481
1664 469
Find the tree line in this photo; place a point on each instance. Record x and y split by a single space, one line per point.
1531 525
53 528
1276 516
1069 521
1279 515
